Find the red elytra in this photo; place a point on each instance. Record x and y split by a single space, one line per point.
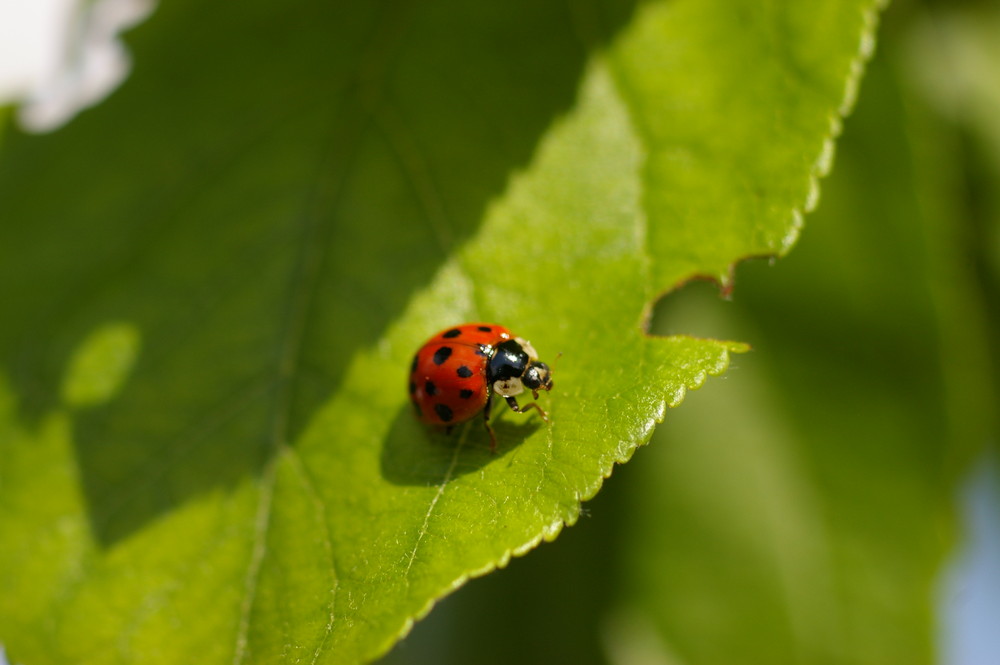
457 373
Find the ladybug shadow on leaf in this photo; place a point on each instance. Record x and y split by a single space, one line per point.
418 454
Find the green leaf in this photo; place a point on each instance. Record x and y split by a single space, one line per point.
799 511
253 236
812 525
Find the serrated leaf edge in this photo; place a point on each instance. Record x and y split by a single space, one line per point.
550 532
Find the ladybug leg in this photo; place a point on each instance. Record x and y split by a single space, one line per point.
486 423
514 406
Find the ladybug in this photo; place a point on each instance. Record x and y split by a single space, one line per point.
457 372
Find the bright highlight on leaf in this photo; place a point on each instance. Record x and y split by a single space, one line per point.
101 365
283 232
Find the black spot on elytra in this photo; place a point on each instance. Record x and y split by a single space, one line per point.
454 332
413 387
465 393
441 355
485 328
464 372
444 413
413 365
483 351
430 388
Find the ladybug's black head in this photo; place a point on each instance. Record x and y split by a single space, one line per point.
514 367
537 377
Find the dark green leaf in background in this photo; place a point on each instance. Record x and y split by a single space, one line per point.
211 286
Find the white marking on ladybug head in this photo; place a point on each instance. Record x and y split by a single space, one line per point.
528 348
508 387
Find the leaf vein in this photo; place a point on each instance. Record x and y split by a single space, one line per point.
303 283
310 487
261 525
434 501
418 172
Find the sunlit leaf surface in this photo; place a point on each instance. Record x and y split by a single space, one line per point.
212 284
